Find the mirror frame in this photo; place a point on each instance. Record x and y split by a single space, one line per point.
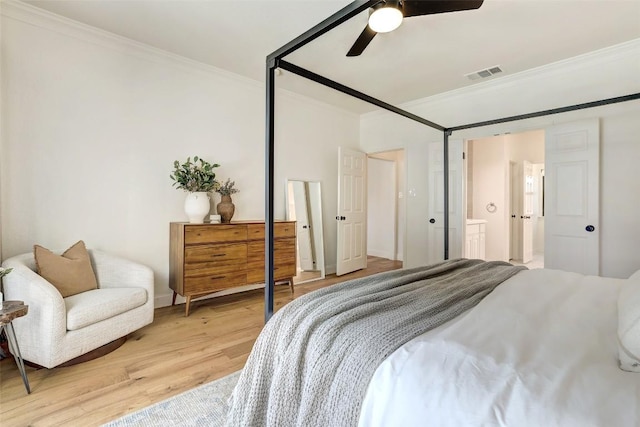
318 230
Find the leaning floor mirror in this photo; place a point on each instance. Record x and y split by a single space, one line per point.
305 207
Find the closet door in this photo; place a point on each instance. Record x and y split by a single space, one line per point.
435 164
572 228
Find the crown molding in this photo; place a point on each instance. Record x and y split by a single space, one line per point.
31 15
574 64
44 19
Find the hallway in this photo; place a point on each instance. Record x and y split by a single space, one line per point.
536 262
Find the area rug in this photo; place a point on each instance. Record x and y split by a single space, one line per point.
205 405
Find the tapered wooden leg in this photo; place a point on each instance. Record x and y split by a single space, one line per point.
173 300
291 284
187 305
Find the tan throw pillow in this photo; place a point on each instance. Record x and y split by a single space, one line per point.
71 272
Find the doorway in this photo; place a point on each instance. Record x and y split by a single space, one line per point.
504 195
385 204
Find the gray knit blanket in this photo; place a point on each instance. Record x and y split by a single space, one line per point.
313 361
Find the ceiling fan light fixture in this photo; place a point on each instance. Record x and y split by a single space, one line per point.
386 17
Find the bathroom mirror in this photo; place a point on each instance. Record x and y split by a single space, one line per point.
304 206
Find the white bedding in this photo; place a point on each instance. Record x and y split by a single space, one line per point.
540 350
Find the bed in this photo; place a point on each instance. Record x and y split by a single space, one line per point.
540 348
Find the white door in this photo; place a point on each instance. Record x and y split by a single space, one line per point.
515 235
352 211
526 186
572 168
435 235
303 229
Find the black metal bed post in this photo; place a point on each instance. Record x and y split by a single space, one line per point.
268 193
354 93
593 104
445 160
273 61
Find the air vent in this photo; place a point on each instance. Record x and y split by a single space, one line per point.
483 74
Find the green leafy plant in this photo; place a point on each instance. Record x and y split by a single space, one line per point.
227 188
194 176
4 271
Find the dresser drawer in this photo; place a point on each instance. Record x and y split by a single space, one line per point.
284 260
232 253
281 272
284 229
211 259
214 282
195 234
280 229
284 250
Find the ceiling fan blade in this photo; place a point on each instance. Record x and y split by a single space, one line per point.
429 7
362 42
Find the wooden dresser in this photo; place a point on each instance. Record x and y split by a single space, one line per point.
207 258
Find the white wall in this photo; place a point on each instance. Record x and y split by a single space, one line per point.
381 208
599 75
91 124
398 157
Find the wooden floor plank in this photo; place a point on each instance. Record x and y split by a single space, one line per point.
168 357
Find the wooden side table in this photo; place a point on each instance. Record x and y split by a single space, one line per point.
12 310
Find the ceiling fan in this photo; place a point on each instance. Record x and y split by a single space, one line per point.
388 14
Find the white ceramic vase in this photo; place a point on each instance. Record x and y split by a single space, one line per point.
197 206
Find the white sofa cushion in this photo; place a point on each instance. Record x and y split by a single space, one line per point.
629 324
94 306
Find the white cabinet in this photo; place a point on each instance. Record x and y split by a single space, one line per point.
475 239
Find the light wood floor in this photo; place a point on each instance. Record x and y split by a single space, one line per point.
172 355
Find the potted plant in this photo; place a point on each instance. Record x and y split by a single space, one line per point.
198 178
226 208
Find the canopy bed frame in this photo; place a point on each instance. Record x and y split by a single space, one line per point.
275 60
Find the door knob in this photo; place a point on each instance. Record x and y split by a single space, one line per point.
590 228
304 226
432 221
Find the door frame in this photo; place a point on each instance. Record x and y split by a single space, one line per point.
512 167
399 206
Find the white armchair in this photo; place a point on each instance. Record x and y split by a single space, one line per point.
58 329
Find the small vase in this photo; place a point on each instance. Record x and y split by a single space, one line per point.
197 206
226 208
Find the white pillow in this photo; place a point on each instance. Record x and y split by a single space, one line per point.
629 324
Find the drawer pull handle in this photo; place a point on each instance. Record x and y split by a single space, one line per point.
217 277
219 255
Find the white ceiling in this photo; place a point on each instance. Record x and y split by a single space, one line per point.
425 56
